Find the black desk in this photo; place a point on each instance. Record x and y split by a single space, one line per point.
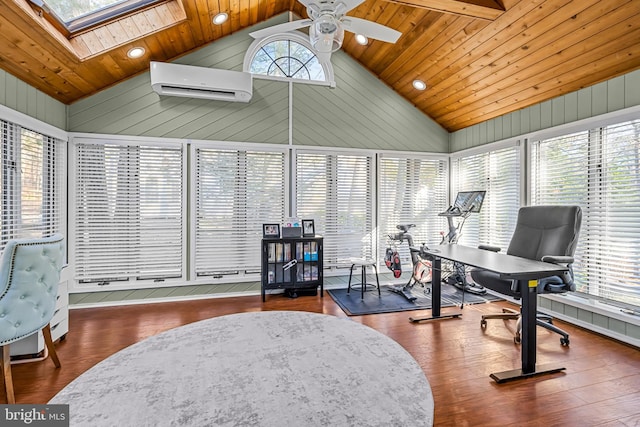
525 271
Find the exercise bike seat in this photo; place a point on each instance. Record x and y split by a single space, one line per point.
405 227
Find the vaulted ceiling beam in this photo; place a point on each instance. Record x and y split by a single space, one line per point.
482 9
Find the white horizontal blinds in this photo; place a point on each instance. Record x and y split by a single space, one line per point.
10 181
33 170
161 213
560 175
619 217
129 213
560 170
336 191
498 173
599 170
235 193
411 191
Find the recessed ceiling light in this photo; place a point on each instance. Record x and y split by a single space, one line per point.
419 84
220 18
135 52
361 39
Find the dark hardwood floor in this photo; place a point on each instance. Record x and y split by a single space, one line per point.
600 387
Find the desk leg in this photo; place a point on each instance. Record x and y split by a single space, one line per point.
436 295
528 349
528 313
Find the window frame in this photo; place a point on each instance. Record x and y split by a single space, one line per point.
593 127
419 234
294 36
222 276
132 282
338 265
515 143
58 137
92 19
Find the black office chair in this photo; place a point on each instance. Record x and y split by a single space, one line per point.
543 233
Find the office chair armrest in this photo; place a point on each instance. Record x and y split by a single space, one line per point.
489 248
558 259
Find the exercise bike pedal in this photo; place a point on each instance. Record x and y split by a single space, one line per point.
404 292
470 288
409 296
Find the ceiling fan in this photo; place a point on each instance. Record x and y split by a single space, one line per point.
327 23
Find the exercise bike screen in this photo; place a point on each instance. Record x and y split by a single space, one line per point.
469 201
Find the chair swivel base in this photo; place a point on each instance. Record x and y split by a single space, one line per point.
542 320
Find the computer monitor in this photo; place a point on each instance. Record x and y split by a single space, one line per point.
469 201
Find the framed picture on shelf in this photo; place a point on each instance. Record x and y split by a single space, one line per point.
271 230
308 228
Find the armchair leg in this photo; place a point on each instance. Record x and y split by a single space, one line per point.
46 333
5 361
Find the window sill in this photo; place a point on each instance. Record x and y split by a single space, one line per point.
595 307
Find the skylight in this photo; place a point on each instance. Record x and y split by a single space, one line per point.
75 15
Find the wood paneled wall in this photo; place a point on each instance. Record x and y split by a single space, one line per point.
612 95
361 112
19 96
133 108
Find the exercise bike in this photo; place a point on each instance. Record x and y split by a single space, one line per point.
421 268
467 202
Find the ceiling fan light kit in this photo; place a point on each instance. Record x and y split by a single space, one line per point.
325 35
363 40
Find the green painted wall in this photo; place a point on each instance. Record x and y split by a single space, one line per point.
21 97
606 97
133 108
361 112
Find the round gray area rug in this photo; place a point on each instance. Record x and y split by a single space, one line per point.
274 368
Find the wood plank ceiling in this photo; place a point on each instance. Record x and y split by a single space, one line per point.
480 58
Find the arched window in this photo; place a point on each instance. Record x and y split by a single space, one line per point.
288 57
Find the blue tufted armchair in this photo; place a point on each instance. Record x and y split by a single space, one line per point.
29 277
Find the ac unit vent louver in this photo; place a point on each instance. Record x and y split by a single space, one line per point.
200 82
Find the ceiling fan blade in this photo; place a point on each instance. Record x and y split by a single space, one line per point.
332 4
281 28
350 4
370 29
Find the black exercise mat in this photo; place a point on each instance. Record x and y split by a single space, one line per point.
390 302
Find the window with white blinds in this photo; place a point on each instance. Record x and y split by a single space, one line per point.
128 215
498 173
336 191
599 170
33 183
235 193
411 191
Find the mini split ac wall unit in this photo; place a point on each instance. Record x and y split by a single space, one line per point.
200 82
